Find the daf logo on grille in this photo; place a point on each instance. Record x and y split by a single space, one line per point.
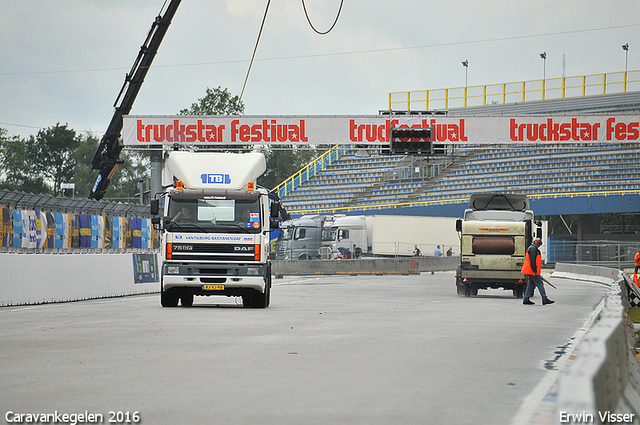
243 248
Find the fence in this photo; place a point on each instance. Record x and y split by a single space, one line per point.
615 254
520 91
38 223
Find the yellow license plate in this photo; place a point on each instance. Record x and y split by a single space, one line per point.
213 287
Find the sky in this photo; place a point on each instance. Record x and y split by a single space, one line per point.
65 61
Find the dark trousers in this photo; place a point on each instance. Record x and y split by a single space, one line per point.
534 281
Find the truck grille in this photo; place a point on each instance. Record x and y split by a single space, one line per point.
213 252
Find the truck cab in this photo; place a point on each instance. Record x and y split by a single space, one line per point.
300 238
345 236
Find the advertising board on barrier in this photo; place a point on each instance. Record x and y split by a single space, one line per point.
38 229
374 129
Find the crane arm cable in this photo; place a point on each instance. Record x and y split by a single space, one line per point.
255 49
314 28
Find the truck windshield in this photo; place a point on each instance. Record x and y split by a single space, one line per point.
329 235
206 214
287 233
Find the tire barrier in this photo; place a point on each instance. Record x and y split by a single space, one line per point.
601 383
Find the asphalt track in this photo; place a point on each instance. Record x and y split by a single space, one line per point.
329 350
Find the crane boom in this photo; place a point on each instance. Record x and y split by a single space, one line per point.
107 156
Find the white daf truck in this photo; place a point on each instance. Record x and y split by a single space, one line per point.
215 226
495 233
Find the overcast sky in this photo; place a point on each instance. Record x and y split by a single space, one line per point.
65 61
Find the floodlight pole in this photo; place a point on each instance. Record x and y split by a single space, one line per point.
625 47
543 55
466 69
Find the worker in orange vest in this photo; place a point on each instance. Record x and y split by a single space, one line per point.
532 268
635 272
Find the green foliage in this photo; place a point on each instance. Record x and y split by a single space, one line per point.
40 163
51 151
281 164
124 182
57 155
216 102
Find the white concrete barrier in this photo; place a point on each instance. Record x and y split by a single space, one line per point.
601 383
43 278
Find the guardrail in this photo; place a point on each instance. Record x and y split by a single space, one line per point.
602 381
519 91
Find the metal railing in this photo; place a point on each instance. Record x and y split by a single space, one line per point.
602 253
520 91
334 210
310 170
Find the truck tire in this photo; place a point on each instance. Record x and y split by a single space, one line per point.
186 299
255 299
518 292
169 298
460 287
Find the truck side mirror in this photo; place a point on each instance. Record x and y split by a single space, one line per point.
539 232
274 224
155 206
459 225
275 210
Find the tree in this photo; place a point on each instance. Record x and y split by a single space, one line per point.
125 180
52 152
18 170
216 102
280 163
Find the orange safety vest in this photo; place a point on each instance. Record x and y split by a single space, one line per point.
526 267
637 259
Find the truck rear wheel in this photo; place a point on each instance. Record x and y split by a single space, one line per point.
169 298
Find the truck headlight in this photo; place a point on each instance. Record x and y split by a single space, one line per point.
173 269
253 271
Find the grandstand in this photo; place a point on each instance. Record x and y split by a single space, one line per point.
369 180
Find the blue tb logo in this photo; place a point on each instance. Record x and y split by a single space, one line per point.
215 178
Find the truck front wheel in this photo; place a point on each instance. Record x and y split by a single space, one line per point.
254 299
186 299
169 298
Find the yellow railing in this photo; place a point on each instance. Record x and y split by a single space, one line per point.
310 170
458 201
521 91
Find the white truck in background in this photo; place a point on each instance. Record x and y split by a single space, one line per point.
215 225
387 235
495 233
300 238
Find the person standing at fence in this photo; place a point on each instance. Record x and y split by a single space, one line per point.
532 268
637 260
438 252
